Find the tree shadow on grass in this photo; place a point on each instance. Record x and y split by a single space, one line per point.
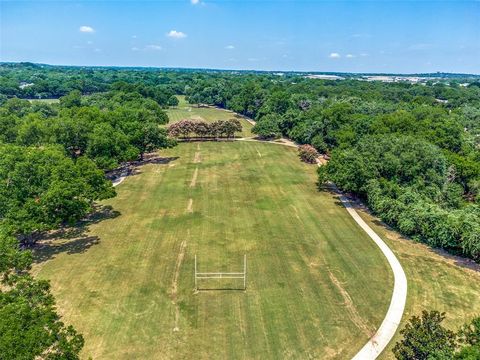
72 239
133 168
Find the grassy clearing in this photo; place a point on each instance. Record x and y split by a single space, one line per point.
436 280
185 110
317 285
46 101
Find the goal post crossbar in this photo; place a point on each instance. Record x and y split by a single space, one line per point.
222 275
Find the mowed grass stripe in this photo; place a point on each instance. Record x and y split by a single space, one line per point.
118 292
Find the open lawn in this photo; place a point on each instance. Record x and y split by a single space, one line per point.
208 114
317 286
46 101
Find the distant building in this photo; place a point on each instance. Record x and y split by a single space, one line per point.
325 77
24 85
393 78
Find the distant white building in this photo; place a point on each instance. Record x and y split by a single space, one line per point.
324 77
24 85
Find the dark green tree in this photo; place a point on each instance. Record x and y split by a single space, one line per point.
267 127
425 338
30 327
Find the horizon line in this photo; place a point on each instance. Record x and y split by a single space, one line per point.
240 70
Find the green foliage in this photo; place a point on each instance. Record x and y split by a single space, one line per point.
425 338
30 328
200 129
72 99
44 188
406 182
110 128
108 147
267 127
319 143
172 101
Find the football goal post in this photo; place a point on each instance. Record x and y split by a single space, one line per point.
221 275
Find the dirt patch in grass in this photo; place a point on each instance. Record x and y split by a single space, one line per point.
174 290
194 178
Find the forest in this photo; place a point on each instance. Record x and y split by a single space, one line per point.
411 152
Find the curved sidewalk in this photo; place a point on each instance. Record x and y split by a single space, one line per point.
386 331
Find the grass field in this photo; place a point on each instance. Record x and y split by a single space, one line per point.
188 111
317 286
46 101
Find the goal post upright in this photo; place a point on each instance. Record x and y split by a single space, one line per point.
196 287
245 272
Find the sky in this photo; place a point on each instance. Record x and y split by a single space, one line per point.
331 36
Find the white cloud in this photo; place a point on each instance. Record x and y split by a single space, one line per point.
362 35
86 29
134 36
350 56
229 47
195 2
176 34
363 54
153 47
334 55
135 48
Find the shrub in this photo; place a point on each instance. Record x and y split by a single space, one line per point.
308 154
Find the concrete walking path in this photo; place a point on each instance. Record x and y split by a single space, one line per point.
378 342
117 181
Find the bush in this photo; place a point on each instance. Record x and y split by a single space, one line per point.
308 154
319 144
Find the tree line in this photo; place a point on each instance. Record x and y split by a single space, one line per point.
109 128
187 129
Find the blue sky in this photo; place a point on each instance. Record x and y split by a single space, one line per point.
352 36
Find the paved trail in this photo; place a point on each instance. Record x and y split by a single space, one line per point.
386 331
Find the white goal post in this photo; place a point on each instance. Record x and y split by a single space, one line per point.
222 275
